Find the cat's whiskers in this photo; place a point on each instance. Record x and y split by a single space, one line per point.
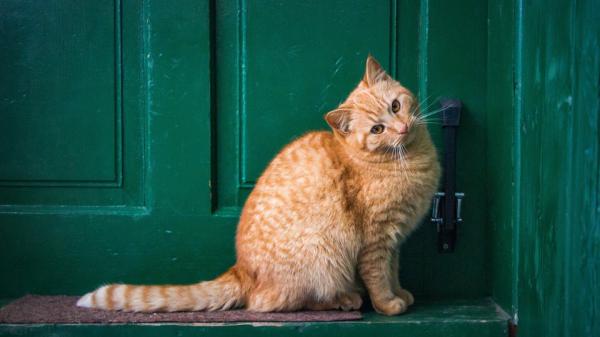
388 150
430 118
399 162
413 120
396 161
428 121
420 109
426 118
403 163
399 158
419 115
424 101
430 113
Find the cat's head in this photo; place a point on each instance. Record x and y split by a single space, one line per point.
378 116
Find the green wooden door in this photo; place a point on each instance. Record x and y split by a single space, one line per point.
104 144
131 132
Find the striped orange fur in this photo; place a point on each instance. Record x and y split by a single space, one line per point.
325 219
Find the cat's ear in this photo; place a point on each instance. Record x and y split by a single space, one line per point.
374 72
339 120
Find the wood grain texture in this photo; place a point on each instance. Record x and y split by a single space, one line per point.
558 220
542 171
501 161
71 125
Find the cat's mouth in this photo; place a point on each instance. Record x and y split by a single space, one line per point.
398 146
401 141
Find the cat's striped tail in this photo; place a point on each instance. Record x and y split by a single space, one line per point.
225 292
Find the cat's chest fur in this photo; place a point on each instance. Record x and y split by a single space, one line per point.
396 200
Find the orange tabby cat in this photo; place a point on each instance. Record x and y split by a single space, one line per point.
328 212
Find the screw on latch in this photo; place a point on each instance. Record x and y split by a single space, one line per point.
459 198
435 210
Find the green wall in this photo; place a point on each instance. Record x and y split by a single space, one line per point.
542 164
558 75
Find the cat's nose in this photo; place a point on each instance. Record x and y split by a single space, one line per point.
403 128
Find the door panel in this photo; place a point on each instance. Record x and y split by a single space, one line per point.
59 93
70 104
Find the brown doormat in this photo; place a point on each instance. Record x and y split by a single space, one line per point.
62 309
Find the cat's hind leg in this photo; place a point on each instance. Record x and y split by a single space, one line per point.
272 299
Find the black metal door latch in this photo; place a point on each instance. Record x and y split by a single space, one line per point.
447 205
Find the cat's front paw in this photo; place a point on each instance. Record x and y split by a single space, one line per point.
405 295
394 306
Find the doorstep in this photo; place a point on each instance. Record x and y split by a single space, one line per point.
448 318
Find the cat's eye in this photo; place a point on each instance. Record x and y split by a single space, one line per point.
377 129
395 106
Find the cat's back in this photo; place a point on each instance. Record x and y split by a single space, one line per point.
305 161
305 173
295 196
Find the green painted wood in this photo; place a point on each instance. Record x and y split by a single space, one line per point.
502 201
543 166
58 254
558 74
451 65
40 141
63 136
66 239
178 78
447 318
